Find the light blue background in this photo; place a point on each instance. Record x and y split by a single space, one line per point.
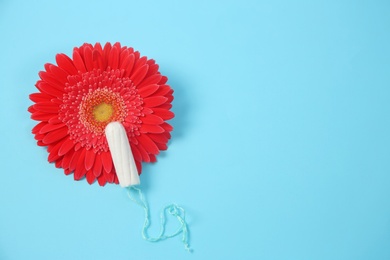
281 145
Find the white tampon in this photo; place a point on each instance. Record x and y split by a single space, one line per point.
121 154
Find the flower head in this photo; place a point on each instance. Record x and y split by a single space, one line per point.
79 97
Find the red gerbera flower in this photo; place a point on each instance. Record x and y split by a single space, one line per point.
78 97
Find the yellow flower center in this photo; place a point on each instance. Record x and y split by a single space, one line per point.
103 112
100 107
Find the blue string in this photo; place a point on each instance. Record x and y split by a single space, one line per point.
172 209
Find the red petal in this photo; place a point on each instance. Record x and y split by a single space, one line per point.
139 74
163 113
155 101
167 127
130 49
116 181
137 55
46 107
98 59
89 159
49 89
162 147
136 153
77 146
166 106
140 61
110 176
31 109
80 170
102 180
58 73
67 159
88 60
147 111
163 80
90 177
152 158
67 171
144 153
82 48
124 53
66 63
58 163
50 147
55 135
128 65
75 159
106 52
159 138
78 61
148 90
152 120
113 58
151 129
118 46
40 97
154 79
170 98
167 134
56 101
163 90
148 144
54 83
133 140
98 166
106 160
66 146
55 121
38 127
40 143
153 69
151 62
53 153
98 47
50 127
39 137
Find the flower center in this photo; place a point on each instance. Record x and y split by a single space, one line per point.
103 112
100 107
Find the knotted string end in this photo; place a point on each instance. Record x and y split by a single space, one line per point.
172 209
